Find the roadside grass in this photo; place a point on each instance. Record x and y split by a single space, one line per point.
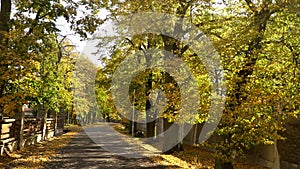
34 156
120 128
190 158
203 159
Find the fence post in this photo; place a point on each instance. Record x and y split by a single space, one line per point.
195 141
55 123
21 132
44 122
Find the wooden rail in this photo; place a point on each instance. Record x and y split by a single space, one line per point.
32 132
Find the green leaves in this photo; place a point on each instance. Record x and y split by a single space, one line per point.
259 47
35 64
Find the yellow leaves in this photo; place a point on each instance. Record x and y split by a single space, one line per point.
36 64
177 161
195 157
268 142
35 156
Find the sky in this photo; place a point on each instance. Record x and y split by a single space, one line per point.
85 47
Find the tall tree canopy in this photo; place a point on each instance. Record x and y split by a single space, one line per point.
258 42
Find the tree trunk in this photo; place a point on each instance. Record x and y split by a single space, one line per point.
220 164
89 118
4 27
149 115
179 146
108 119
4 17
259 25
150 121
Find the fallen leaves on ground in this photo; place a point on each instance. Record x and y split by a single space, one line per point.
196 158
34 156
190 158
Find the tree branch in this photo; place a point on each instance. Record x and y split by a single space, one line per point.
251 5
35 21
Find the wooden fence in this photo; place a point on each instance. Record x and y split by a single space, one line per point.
10 132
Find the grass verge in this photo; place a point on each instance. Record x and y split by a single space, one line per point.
202 159
190 158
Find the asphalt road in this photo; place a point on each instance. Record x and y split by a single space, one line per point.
100 148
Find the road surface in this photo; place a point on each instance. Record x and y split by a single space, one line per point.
83 152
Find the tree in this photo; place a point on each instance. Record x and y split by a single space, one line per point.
259 51
26 35
85 104
31 67
251 108
144 42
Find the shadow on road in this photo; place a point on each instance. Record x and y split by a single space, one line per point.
82 152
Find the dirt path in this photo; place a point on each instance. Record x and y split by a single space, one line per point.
83 152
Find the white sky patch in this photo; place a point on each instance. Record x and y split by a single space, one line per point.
94 49
71 35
